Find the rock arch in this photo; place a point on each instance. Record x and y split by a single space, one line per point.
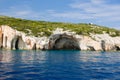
63 42
17 43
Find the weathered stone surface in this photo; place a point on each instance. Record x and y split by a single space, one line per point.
8 34
13 39
60 39
87 43
42 43
63 41
107 42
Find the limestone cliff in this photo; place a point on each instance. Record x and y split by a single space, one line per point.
13 39
60 39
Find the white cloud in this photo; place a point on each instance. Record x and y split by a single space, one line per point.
97 1
92 9
71 15
98 9
21 11
26 12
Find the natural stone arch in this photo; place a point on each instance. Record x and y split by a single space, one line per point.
64 42
17 43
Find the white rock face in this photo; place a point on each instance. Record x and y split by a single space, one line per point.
82 42
13 39
61 31
8 34
42 43
87 43
107 42
60 39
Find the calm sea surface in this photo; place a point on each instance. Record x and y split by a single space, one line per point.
59 65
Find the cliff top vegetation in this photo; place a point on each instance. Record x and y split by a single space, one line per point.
45 28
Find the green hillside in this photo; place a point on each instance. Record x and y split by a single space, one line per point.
43 28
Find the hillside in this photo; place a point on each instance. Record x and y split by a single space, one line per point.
43 28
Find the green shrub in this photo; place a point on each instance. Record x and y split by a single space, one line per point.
47 27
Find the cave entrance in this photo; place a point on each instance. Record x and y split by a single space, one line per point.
65 43
1 41
5 41
17 43
117 48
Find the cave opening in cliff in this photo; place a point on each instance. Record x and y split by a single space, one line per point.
1 46
5 41
65 43
19 43
117 48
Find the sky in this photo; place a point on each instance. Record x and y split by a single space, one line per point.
101 12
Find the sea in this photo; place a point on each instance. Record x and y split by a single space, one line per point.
59 65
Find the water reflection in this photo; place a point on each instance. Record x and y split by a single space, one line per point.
33 56
82 56
104 57
45 65
91 56
27 56
6 56
62 56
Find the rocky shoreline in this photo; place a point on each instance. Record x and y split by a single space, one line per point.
60 39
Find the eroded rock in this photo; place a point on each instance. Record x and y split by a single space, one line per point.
63 41
60 39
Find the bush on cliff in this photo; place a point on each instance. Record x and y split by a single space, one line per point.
43 28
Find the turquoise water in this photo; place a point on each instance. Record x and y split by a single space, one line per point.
59 65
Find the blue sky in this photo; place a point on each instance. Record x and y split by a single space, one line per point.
101 12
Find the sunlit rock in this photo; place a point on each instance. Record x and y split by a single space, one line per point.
87 43
60 39
107 42
63 41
